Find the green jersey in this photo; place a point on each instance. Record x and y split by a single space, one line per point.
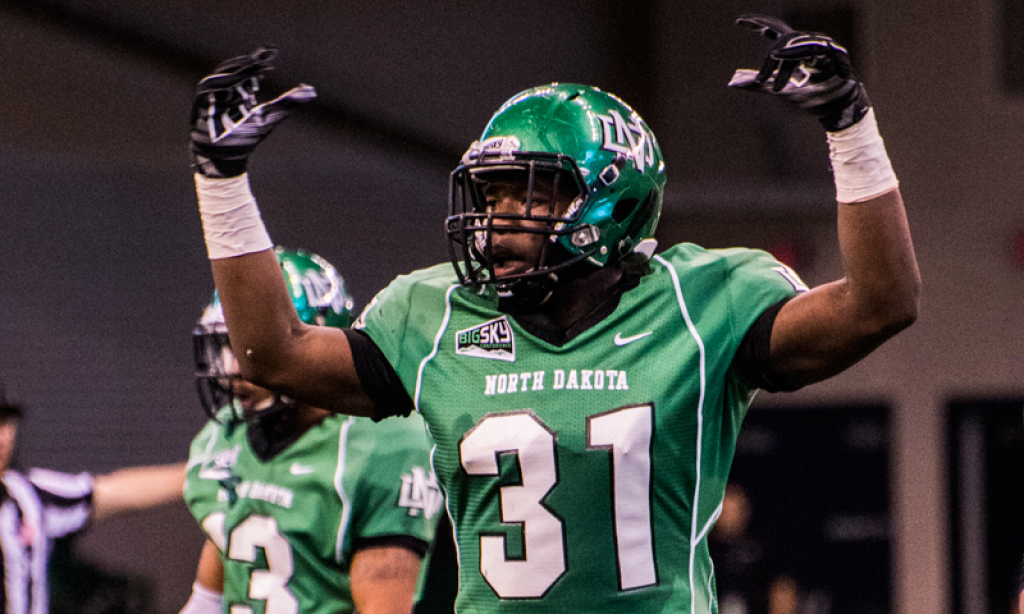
285 527
583 477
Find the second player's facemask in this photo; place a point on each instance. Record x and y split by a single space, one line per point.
214 364
217 377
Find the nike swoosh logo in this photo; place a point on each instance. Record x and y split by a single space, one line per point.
298 469
621 341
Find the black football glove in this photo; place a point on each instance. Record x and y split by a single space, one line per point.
228 122
807 68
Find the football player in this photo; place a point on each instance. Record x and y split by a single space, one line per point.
304 510
583 391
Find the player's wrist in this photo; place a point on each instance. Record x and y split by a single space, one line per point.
207 164
231 220
860 164
203 601
847 109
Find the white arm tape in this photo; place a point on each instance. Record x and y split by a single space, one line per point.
203 601
860 166
231 219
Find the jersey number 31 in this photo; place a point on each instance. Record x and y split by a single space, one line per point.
625 433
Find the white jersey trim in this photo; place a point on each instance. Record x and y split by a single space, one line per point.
207 451
695 518
437 344
711 521
339 485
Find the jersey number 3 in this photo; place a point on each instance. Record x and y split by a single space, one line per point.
268 585
626 434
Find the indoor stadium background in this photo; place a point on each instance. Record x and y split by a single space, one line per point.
895 487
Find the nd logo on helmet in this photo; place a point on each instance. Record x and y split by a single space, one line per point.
320 292
627 138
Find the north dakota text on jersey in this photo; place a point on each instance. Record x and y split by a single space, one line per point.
573 379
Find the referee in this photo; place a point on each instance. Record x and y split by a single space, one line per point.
39 506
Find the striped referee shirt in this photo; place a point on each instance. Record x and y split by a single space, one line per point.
37 508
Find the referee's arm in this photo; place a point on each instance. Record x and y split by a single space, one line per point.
136 488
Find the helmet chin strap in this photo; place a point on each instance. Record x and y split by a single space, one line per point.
272 430
529 293
275 405
533 292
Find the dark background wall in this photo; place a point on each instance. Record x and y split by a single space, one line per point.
103 265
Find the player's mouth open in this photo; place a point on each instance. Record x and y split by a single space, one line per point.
245 400
508 261
511 265
508 267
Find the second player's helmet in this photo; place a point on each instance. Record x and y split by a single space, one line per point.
320 298
574 137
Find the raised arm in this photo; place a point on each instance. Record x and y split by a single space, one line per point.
826 330
274 349
312 364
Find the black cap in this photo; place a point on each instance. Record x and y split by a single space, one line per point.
8 407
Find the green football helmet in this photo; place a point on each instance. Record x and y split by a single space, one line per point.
320 298
572 137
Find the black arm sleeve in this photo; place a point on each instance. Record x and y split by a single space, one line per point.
378 378
753 361
417 545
